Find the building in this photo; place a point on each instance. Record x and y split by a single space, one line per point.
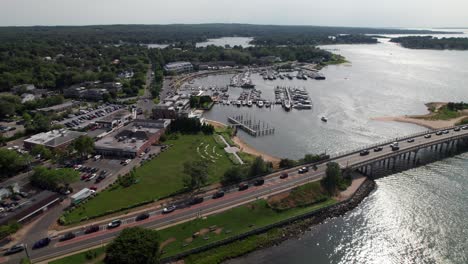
132 139
120 117
164 111
94 94
93 91
179 67
59 108
54 139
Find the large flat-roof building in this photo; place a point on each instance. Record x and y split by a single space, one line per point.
122 116
53 139
178 67
132 139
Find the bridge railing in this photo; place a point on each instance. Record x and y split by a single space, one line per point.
386 142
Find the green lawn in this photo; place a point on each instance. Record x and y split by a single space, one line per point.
445 114
95 256
235 221
141 92
160 177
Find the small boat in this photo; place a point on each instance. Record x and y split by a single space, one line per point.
324 119
244 103
238 103
249 103
228 102
260 103
287 105
267 104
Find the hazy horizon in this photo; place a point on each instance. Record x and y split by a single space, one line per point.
358 13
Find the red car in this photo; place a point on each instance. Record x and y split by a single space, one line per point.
94 188
84 176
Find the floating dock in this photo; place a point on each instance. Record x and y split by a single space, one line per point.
251 126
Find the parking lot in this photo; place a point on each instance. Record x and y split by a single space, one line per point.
84 117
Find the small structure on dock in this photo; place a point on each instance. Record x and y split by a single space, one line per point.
250 125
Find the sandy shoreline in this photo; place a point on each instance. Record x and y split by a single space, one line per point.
244 147
431 124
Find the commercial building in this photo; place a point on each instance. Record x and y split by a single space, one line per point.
122 116
93 91
53 139
179 67
132 139
171 108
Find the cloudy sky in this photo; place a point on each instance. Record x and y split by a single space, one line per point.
370 13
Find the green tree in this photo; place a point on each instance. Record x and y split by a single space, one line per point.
44 152
134 245
259 167
232 175
287 163
332 178
53 179
84 145
196 174
11 162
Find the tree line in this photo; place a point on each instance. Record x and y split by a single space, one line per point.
429 42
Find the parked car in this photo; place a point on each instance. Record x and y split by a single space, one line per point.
91 229
377 149
94 188
142 216
243 186
41 243
196 200
169 209
218 194
259 182
67 236
91 177
284 175
15 249
100 178
114 224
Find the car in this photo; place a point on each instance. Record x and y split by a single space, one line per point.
15 249
100 178
169 209
303 170
24 194
284 175
411 140
364 152
445 131
218 194
427 136
142 216
464 127
258 182
438 133
243 186
84 177
377 149
67 236
114 224
394 147
44 242
196 200
91 229
94 188
91 177
456 129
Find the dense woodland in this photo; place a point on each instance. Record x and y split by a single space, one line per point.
429 42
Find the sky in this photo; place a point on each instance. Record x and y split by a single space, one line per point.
357 13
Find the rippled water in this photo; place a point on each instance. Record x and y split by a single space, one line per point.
418 216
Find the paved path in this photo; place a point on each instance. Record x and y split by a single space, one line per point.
232 150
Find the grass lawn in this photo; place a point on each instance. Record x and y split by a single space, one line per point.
141 92
160 177
95 256
230 223
443 113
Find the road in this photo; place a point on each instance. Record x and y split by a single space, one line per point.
232 198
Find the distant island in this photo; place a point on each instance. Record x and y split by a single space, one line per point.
429 42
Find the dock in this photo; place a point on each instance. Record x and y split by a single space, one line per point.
251 126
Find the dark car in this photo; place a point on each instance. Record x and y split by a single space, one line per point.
218 194
284 175
114 224
92 229
394 147
364 152
169 209
196 200
142 216
258 182
411 140
243 186
15 249
67 236
377 149
41 243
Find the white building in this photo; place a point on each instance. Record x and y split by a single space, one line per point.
179 67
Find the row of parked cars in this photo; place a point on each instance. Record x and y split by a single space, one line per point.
84 115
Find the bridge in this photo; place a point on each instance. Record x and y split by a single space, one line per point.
414 150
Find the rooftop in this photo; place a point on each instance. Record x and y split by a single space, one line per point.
57 107
54 138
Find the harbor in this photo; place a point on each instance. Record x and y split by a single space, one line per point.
251 125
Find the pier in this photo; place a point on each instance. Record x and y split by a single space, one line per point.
251 126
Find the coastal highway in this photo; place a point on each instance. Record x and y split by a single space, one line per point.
232 198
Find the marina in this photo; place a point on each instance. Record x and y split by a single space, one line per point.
250 125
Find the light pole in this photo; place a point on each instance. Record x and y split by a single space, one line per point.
27 252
